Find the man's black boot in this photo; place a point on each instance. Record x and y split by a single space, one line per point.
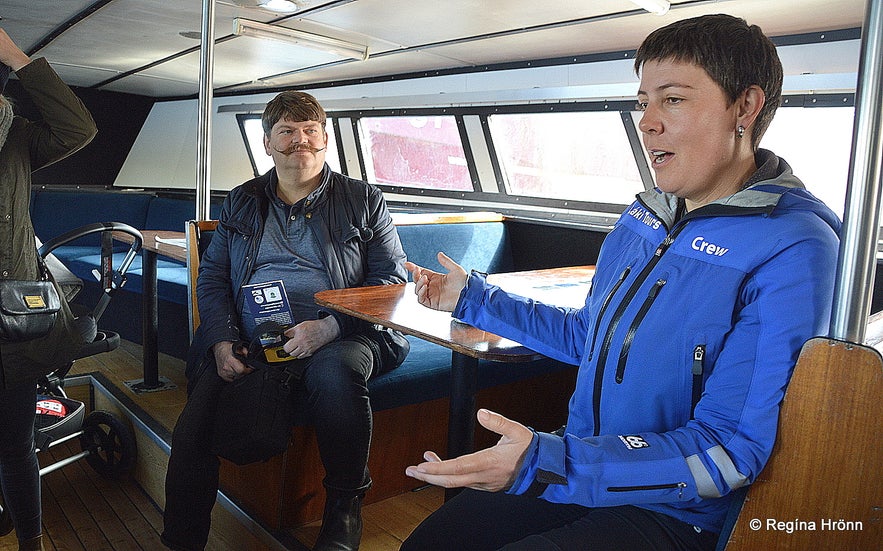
341 523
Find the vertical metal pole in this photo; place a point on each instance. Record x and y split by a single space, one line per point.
204 135
858 244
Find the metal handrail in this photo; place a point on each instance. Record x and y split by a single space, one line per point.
858 242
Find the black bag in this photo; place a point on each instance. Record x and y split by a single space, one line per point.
255 412
393 346
28 308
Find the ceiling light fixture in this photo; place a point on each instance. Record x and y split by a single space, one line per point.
657 7
279 6
247 27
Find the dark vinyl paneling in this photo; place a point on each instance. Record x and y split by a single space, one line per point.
536 246
119 118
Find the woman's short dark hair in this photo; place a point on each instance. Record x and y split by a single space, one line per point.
294 106
735 55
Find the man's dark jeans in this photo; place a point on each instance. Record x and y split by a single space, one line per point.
333 396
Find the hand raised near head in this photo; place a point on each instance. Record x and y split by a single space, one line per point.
10 54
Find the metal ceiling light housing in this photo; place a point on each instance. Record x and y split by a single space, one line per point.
656 7
247 27
279 6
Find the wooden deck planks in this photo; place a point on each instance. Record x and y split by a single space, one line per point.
83 511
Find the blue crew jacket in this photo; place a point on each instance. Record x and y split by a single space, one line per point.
685 346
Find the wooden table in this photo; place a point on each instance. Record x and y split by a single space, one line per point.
396 306
151 249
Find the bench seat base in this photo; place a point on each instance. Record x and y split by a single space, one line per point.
286 492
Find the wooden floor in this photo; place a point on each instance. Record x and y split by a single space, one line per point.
85 511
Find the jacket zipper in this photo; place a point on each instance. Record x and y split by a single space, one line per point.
607 300
671 486
698 369
698 359
633 328
617 317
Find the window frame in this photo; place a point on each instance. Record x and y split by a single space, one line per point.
483 112
410 197
361 146
242 118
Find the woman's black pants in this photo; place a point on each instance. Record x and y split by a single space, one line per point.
19 471
484 521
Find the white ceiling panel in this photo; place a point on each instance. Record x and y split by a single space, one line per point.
28 24
404 22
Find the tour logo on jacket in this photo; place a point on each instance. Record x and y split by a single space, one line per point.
646 217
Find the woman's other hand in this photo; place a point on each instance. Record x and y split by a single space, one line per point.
491 469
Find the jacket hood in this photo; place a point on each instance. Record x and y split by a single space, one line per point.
773 186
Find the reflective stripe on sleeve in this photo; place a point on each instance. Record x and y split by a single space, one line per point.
704 484
732 477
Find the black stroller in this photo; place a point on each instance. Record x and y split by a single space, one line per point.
107 444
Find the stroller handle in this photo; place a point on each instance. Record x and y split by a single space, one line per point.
120 274
97 227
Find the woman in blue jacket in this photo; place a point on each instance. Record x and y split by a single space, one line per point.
705 291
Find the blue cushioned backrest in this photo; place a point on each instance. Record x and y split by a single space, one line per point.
482 246
165 213
55 212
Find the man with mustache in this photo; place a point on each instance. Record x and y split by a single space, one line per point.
312 229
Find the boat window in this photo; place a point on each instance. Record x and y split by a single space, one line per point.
414 151
261 162
816 142
581 156
577 157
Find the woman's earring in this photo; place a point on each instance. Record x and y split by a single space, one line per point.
740 131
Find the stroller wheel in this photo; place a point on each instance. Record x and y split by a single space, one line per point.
5 519
111 443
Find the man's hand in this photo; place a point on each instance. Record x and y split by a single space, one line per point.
491 469
230 367
435 290
308 336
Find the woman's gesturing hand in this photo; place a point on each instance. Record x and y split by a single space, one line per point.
435 290
492 469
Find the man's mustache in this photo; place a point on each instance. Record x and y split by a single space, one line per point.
299 147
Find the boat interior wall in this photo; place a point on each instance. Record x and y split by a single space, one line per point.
119 118
170 134
826 66
170 131
151 47
124 56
